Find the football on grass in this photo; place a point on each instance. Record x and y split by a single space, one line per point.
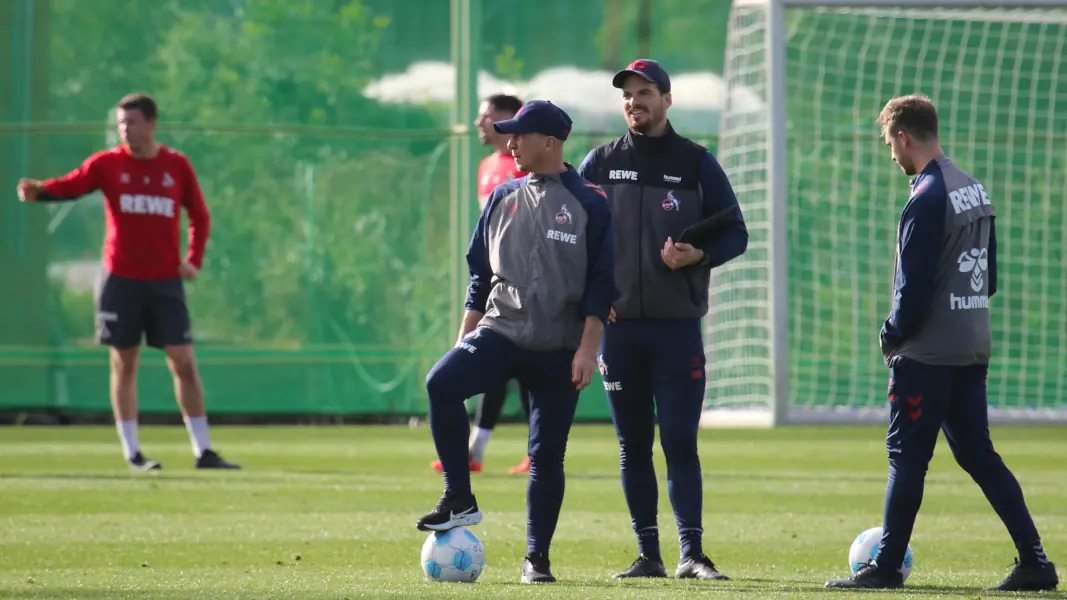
454 556
865 546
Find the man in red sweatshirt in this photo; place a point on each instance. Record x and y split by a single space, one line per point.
145 186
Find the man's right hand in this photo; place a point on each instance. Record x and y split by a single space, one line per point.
471 318
187 271
28 190
582 367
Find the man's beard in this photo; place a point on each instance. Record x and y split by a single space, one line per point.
648 124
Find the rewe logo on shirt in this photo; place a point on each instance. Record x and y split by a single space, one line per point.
144 204
622 174
562 236
968 197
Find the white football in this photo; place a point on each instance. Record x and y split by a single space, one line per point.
453 556
865 546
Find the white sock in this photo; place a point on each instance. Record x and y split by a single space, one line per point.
197 427
128 437
479 440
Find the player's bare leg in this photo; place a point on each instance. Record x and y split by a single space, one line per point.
123 379
190 395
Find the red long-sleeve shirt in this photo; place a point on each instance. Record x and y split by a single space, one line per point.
143 199
495 169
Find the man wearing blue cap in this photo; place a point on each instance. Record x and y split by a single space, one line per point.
541 286
660 185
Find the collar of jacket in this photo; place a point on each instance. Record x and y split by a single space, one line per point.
643 142
542 177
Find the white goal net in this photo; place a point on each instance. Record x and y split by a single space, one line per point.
792 331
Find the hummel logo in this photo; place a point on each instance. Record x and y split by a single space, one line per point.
915 409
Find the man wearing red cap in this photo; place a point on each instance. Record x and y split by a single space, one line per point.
652 355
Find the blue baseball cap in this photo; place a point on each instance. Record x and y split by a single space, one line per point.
537 116
647 69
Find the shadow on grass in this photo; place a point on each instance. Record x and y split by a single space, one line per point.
977 592
717 476
752 588
734 586
758 587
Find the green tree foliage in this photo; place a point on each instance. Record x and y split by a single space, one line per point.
684 35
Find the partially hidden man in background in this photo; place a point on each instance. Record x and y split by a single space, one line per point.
652 358
141 296
937 343
495 169
542 281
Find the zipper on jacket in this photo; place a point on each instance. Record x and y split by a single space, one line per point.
641 251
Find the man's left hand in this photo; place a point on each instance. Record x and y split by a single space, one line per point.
676 256
187 271
582 368
888 337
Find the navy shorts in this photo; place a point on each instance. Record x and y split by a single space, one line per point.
130 310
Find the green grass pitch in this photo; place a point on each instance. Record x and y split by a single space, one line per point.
330 512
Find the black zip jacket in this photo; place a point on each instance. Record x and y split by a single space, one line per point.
658 187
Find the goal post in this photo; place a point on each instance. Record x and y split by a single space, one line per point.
792 332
